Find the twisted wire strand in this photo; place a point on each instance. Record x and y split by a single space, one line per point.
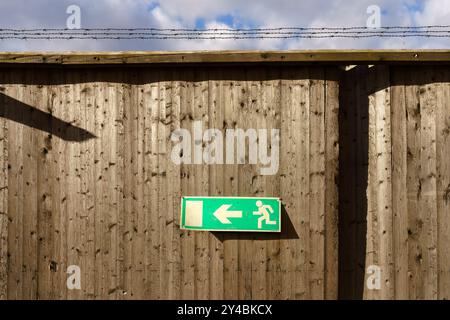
430 31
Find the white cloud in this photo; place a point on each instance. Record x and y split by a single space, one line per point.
435 12
250 13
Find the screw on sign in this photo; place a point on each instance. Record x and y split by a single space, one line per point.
257 214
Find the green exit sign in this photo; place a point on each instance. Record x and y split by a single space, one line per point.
231 214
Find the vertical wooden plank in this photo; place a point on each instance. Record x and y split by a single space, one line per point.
174 189
348 122
113 189
362 166
82 216
216 185
302 93
331 133
30 238
383 180
276 274
104 198
260 98
353 169
229 103
58 179
120 132
245 174
79 177
76 175
165 233
75 250
15 203
100 272
443 181
123 95
201 184
141 283
127 234
372 241
107 216
88 184
372 258
427 195
187 183
317 183
165 210
120 177
413 185
44 188
152 89
130 128
69 252
4 188
148 99
289 184
399 183
165 214
379 191
72 104
383 174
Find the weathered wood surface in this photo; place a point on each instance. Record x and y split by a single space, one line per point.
353 167
155 57
408 184
86 179
3 206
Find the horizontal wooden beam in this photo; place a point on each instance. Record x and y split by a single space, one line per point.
156 57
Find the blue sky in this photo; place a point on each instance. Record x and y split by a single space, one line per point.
221 13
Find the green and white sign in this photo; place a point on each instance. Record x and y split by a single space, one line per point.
231 214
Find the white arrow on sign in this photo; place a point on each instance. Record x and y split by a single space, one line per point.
223 214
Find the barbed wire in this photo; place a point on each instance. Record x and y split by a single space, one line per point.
211 38
430 31
77 33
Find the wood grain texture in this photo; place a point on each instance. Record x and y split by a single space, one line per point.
88 181
4 220
353 168
155 57
407 188
443 182
331 194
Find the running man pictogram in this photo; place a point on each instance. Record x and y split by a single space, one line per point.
264 211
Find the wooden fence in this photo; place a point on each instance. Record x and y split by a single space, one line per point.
395 128
364 176
87 180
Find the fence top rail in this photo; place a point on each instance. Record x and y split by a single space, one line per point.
191 57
